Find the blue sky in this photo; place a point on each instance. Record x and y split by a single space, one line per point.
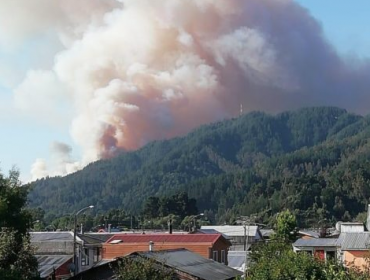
345 22
25 138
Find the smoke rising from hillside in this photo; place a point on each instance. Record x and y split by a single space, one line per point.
141 70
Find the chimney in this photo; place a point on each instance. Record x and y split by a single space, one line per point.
151 246
170 226
368 218
109 228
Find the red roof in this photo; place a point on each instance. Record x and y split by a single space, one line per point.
166 238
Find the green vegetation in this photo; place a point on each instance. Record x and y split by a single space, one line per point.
285 227
157 213
16 258
139 268
179 205
276 260
313 161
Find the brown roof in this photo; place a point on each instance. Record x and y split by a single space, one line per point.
170 238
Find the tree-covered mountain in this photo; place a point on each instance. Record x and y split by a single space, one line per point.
314 161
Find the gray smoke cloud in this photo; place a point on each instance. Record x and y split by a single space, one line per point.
141 70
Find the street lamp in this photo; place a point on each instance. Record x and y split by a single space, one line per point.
32 225
194 220
75 234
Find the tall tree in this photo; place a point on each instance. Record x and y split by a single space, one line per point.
13 199
286 225
16 255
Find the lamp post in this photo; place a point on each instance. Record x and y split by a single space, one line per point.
32 225
194 220
75 234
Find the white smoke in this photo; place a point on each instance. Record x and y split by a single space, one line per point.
140 70
61 162
39 169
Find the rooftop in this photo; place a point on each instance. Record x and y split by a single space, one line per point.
51 236
355 241
317 242
175 238
95 238
47 263
193 264
233 230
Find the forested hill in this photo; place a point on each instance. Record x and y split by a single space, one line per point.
314 161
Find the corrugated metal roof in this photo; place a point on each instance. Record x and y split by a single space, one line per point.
51 236
193 264
212 231
234 230
47 263
355 241
103 237
317 242
311 233
176 238
178 259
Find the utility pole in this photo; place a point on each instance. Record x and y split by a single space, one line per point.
245 237
247 220
74 238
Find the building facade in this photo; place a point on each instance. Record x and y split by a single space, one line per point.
210 246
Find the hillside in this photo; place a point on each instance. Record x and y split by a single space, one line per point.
314 161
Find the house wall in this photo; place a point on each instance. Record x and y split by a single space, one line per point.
90 262
356 259
62 272
322 253
206 250
352 228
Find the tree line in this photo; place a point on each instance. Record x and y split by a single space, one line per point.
313 161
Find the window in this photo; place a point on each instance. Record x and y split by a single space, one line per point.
308 252
116 241
215 256
97 255
330 255
85 257
223 257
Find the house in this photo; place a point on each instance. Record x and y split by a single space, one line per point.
184 264
322 248
350 248
210 246
54 252
238 235
355 249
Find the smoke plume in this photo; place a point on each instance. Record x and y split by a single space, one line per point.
142 70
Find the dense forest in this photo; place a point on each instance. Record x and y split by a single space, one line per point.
314 161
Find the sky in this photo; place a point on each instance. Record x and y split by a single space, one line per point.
39 132
350 35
